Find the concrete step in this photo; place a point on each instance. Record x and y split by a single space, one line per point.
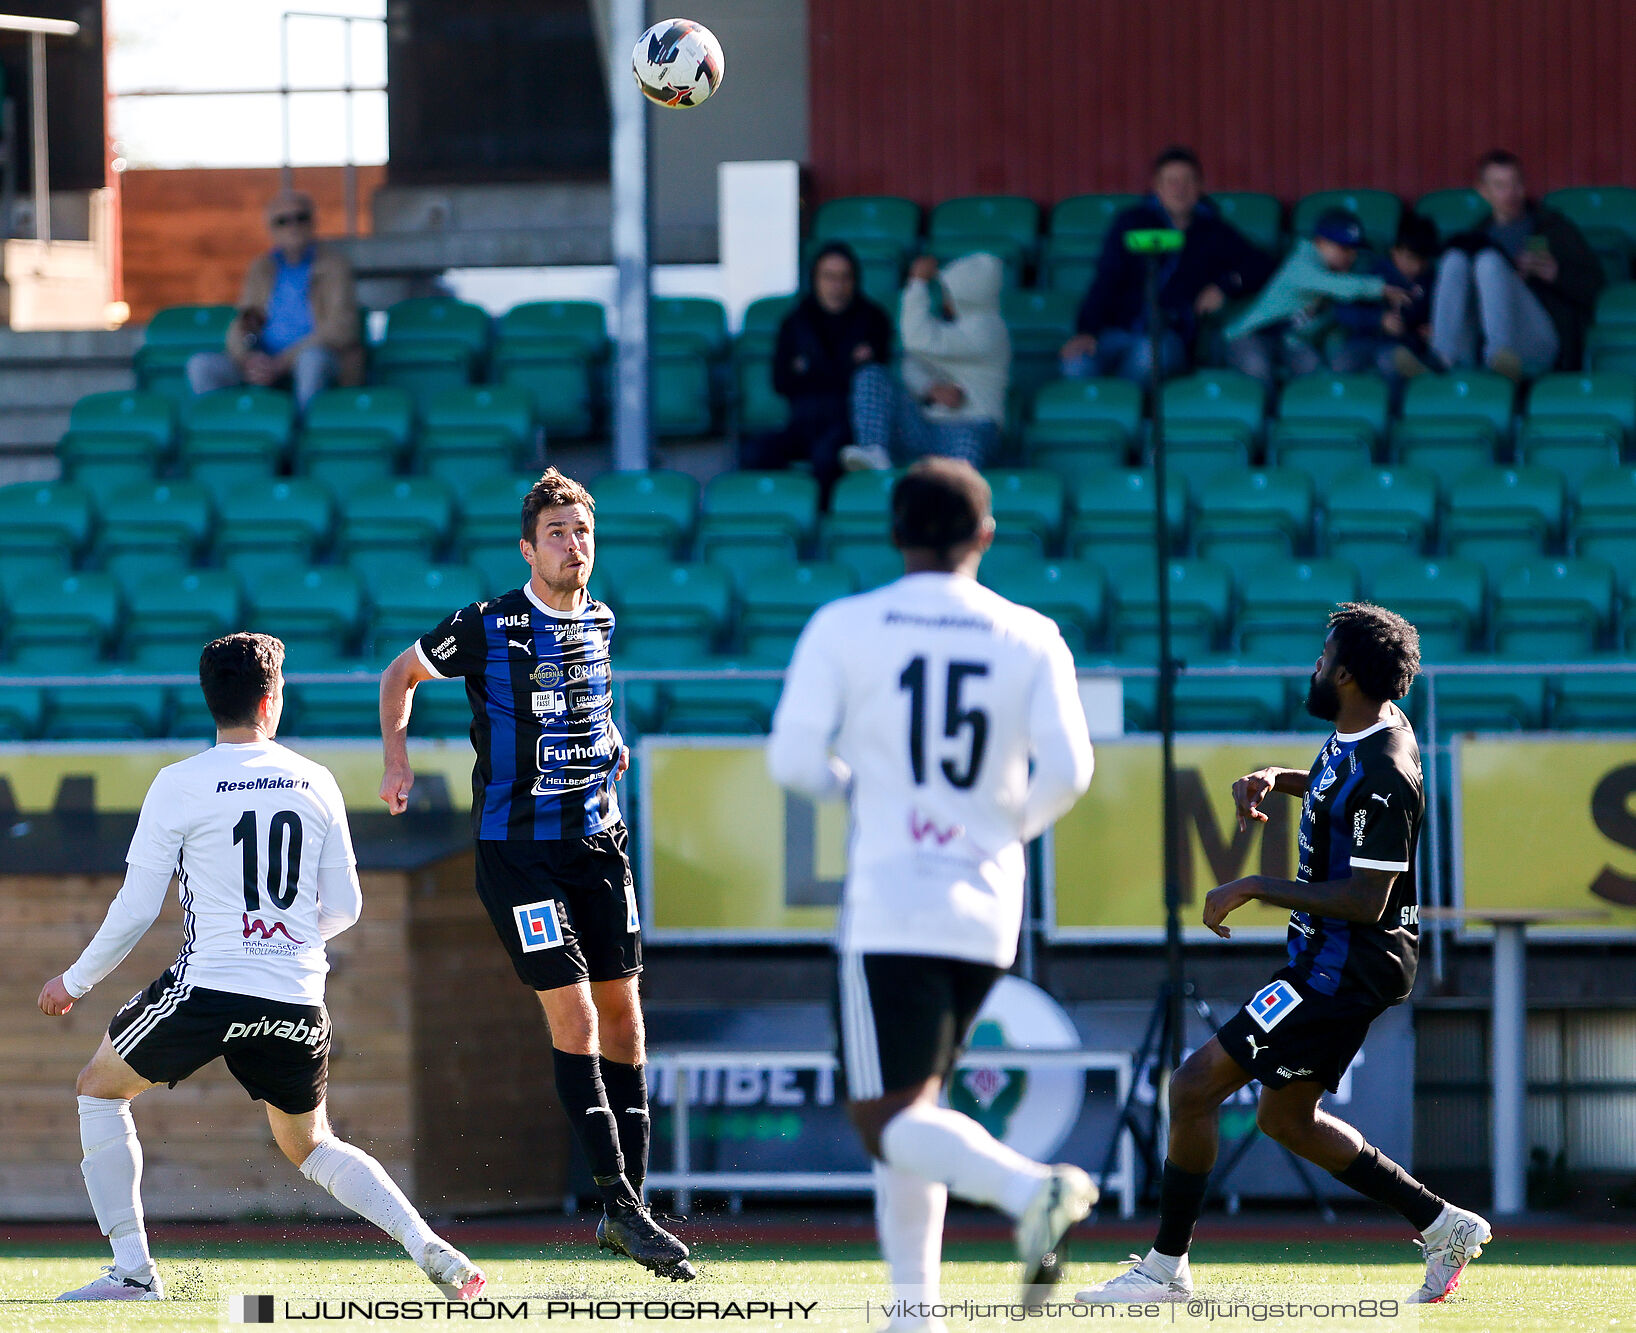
32 428
60 384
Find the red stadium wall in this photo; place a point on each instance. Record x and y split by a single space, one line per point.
1049 98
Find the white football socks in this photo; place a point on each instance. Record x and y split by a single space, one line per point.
938 1144
909 1217
360 1182
1164 1267
112 1168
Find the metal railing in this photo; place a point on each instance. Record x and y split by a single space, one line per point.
684 1180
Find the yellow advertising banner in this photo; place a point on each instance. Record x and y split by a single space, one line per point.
1548 823
41 776
729 855
1105 864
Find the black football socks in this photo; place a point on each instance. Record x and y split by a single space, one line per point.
627 1089
579 1086
1181 1200
1378 1177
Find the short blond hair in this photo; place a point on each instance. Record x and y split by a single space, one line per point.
552 491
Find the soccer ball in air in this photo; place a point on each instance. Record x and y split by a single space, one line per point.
678 63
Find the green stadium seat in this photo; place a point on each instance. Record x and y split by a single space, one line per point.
63 620
1319 448
780 599
1258 217
317 612
1605 396
1573 446
173 335
1265 512
111 710
408 606
1068 265
1081 426
1611 347
653 510
154 526
104 463
286 521
1006 226
44 525
860 510
475 433
862 218
672 614
1453 211
1376 514
1580 703
1215 396
759 408
432 343
1074 593
1029 506
1502 516
1201 603
352 708
1325 396
1444 597
1460 395
1112 522
683 401
1490 702
1377 210
1039 323
1204 448
553 350
1610 207
22 710
1548 610
763 516
500 566
1087 217
873 564
352 436
1284 608
125 413
491 513
762 318
1616 306
263 413
1229 703
171 614
1447 448
384 519
725 707
700 320
1604 522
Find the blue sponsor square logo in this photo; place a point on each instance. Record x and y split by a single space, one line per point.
538 926
1270 1005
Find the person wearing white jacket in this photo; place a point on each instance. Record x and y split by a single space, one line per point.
949 397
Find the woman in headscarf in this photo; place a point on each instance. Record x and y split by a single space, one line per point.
833 331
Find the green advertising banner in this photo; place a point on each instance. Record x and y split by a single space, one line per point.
1548 822
1104 863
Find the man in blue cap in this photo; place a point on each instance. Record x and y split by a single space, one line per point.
1285 326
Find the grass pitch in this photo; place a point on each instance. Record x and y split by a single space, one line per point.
1545 1285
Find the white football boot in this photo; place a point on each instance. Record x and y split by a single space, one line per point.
1450 1243
451 1270
111 1287
1137 1286
1064 1197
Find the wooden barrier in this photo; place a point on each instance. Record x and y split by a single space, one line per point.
441 1065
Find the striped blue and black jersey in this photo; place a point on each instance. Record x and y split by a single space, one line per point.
1363 809
540 684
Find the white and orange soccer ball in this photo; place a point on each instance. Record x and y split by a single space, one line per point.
678 63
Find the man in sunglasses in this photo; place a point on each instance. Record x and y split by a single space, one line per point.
297 322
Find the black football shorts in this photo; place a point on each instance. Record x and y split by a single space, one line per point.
1289 1032
279 1052
564 908
904 1018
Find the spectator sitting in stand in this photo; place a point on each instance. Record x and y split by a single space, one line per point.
1521 288
949 397
297 322
1286 326
822 342
1214 265
1393 341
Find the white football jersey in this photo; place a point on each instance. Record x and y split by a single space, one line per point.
939 696
246 828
